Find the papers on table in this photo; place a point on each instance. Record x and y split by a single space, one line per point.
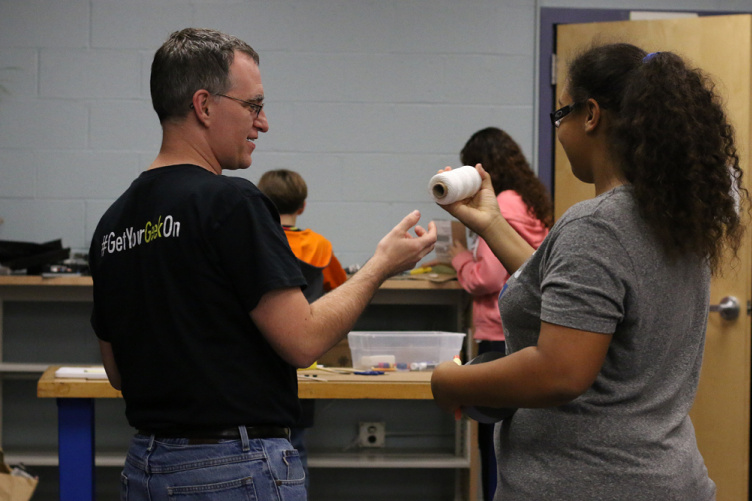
81 372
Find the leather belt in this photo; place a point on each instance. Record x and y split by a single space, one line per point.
216 435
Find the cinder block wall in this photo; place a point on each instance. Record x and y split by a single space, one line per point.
366 99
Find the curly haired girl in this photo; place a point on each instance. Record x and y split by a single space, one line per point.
673 143
605 322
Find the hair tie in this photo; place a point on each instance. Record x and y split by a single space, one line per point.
649 57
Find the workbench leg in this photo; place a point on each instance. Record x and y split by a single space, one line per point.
76 448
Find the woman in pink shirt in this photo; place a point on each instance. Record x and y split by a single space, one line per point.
526 204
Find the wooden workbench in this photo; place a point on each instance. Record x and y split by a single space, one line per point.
391 385
75 400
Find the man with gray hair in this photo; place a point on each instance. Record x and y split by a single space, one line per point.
197 296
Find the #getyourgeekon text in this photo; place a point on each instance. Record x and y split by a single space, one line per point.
132 237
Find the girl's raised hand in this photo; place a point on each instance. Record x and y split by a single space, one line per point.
479 211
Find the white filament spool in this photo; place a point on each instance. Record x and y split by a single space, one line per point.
456 184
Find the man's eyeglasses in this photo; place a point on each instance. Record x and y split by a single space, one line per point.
557 115
253 107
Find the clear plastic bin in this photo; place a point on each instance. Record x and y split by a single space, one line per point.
403 348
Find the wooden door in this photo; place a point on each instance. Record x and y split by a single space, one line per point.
721 47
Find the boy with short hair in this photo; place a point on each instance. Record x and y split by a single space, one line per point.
288 190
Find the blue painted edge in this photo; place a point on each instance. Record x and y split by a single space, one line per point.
76 448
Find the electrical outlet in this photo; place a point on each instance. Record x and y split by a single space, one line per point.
371 434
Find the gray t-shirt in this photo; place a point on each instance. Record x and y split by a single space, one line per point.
629 436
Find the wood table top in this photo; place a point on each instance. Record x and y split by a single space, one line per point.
315 384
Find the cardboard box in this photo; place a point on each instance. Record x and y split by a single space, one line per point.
447 231
15 483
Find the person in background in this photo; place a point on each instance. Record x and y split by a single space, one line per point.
605 322
526 205
288 190
323 272
197 296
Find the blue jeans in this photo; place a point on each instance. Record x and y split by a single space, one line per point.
232 470
297 439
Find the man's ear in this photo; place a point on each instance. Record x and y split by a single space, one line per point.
200 105
593 115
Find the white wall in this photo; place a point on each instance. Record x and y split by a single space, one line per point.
365 98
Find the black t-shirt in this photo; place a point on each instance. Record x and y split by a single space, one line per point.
178 262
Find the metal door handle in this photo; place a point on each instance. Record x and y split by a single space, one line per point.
729 308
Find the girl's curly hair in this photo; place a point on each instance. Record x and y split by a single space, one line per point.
502 158
674 143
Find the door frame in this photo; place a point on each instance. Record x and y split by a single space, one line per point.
549 18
